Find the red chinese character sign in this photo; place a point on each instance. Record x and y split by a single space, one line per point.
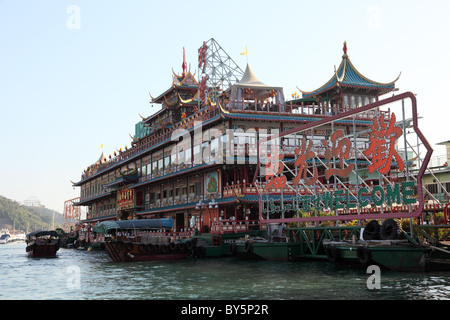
331 164
202 88
202 57
304 153
340 148
382 155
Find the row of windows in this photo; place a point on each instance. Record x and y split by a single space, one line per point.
435 188
358 100
154 196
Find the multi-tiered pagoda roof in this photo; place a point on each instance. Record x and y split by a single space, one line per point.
348 77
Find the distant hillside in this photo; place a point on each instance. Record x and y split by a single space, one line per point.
26 218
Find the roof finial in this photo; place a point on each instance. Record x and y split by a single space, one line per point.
184 65
345 48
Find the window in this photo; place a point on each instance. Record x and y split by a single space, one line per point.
180 156
447 186
167 162
187 156
152 197
197 155
173 159
432 188
205 154
198 188
346 100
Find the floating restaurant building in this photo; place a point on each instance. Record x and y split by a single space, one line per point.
197 159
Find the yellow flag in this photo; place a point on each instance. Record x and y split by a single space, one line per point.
101 147
244 53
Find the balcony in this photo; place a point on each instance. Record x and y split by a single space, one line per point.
288 108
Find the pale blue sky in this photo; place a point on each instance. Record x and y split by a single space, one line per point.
64 92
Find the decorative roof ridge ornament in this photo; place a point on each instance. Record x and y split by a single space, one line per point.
184 65
188 100
345 50
340 79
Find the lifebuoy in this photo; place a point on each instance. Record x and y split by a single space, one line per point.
141 247
332 253
164 248
149 248
172 246
119 245
129 246
188 244
181 246
363 255
156 249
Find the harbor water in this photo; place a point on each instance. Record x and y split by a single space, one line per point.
91 275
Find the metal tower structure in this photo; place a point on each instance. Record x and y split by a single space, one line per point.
216 66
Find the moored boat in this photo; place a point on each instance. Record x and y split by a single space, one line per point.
274 246
42 244
145 240
395 250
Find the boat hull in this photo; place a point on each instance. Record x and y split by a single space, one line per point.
394 257
42 250
139 252
271 251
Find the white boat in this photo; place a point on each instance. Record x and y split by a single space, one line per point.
21 237
4 238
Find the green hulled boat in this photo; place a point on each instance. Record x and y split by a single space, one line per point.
395 255
348 245
390 247
266 250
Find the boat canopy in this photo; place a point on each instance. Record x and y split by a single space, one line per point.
106 226
38 234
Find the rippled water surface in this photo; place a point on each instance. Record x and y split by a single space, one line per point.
88 275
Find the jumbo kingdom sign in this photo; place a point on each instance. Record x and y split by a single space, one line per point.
343 164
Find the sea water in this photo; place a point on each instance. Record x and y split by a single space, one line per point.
91 275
